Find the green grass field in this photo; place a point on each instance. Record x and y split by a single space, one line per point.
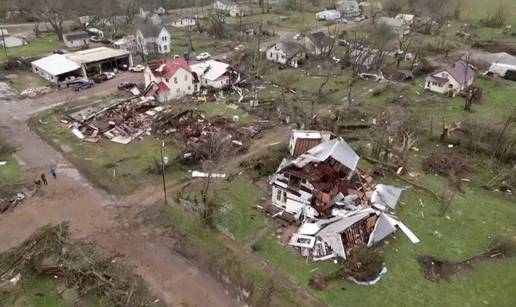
37 47
22 80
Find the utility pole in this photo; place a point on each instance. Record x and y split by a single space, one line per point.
3 40
163 171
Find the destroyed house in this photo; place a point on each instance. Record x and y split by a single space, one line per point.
309 185
338 205
336 237
303 140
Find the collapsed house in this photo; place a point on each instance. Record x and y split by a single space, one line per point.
214 74
338 205
120 122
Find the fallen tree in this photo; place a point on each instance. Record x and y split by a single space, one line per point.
50 252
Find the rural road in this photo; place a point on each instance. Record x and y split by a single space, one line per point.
94 215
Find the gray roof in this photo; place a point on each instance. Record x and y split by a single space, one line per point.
225 2
320 39
76 35
337 149
505 58
290 48
150 30
460 71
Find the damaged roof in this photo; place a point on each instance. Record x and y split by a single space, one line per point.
169 67
210 70
386 196
337 149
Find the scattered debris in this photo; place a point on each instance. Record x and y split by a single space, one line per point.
338 205
121 122
35 92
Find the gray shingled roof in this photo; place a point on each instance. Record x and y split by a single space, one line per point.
320 39
150 29
290 48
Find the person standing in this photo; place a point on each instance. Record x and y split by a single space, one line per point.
44 179
53 172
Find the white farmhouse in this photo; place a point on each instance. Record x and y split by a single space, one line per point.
288 53
213 74
153 39
170 79
328 15
451 79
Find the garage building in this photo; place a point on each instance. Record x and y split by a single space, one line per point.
56 68
96 60
85 63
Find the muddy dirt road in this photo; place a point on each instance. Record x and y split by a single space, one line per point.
94 214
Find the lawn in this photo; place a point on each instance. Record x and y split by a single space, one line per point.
22 80
37 47
200 42
226 111
117 168
238 217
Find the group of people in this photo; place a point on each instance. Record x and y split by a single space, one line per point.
38 182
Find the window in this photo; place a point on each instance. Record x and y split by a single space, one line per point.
175 80
186 77
278 195
164 38
284 197
177 90
189 87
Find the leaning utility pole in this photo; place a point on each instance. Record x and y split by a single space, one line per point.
163 172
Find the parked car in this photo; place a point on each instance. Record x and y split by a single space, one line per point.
343 42
103 77
84 84
203 56
126 86
137 68
110 75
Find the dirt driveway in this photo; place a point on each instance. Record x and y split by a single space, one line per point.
93 214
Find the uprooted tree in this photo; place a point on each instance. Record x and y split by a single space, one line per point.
50 252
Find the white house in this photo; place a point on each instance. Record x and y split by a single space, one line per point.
451 79
213 74
76 39
153 39
328 15
349 8
171 79
224 5
288 53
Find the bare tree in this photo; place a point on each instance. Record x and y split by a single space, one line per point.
213 152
